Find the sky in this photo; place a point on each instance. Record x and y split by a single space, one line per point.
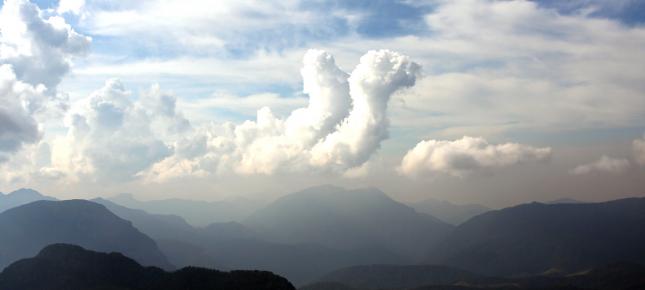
472 101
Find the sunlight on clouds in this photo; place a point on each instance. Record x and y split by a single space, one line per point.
330 134
113 138
71 6
39 49
496 69
35 54
466 155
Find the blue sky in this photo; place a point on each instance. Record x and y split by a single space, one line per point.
174 91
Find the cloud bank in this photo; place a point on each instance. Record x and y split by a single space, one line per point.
465 156
112 138
342 126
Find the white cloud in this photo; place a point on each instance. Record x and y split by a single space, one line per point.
35 53
372 83
342 126
604 164
18 101
71 6
511 62
639 150
489 64
39 49
112 138
116 136
466 155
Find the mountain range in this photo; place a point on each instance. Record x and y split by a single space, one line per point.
322 233
235 245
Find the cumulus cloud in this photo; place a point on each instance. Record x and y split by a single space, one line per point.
372 83
639 150
604 164
39 49
342 126
17 126
466 155
35 53
112 138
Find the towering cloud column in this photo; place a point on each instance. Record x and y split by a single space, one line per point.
372 83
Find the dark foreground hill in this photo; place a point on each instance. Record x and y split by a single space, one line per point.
69 267
618 276
536 238
26 229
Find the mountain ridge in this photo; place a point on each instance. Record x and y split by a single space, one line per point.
27 228
536 237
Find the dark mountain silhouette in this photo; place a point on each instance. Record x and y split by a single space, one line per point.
447 211
20 197
537 238
28 228
397 277
234 246
326 286
349 220
197 213
618 276
71 267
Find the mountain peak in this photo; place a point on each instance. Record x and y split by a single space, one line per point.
25 192
20 197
